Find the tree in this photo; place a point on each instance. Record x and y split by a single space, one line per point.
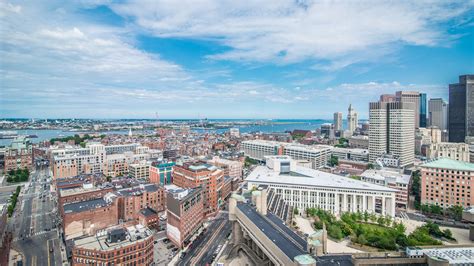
334 161
455 212
370 166
296 211
416 187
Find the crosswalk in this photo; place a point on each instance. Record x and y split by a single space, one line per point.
32 235
404 215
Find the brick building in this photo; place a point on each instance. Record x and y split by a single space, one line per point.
131 245
131 200
199 174
185 213
447 182
161 173
88 217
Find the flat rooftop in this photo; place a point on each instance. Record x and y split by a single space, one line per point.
99 242
293 146
83 206
451 164
279 237
136 190
304 176
455 256
383 174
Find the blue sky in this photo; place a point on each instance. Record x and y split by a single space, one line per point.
225 59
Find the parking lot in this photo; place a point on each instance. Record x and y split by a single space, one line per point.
164 251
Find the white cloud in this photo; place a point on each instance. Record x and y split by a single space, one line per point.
334 33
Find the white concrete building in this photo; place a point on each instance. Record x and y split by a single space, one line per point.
351 154
455 151
303 188
231 168
392 131
140 170
352 119
338 121
319 155
392 179
359 142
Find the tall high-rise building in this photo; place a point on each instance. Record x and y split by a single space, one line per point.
423 110
411 97
388 98
461 109
392 131
352 119
438 113
338 121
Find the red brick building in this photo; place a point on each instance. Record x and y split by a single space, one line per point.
118 246
88 217
131 200
81 194
199 174
18 159
185 213
446 182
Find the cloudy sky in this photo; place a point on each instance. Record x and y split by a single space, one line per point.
225 59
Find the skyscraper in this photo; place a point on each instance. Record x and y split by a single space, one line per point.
392 130
438 113
461 109
338 121
423 110
411 97
352 119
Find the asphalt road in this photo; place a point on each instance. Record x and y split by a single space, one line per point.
35 234
215 235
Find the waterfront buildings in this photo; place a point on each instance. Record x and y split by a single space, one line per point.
338 121
161 172
461 109
304 188
391 178
118 245
438 113
200 174
392 131
447 182
184 212
318 155
352 119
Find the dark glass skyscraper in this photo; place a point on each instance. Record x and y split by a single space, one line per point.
423 110
461 109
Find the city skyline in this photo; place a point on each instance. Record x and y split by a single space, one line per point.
94 59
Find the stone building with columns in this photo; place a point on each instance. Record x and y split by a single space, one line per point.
304 188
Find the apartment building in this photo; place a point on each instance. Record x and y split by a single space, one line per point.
199 174
139 170
447 182
318 155
338 121
131 200
231 168
117 245
184 212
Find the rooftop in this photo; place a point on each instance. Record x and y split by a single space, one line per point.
447 163
293 146
279 237
455 256
304 176
384 174
83 206
132 234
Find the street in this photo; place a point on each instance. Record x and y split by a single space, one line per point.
203 247
35 233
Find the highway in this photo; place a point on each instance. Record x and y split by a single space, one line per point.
35 234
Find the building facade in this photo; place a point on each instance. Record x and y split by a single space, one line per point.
461 109
392 179
455 151
352 119
304 188
392 131
184 212
338 121
446 182
161 173
438 113
131 200
231 168
412 97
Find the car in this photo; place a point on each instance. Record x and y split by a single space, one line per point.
166 240
174 249
155 242
51 249
170 246
182 255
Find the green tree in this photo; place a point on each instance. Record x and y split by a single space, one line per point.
334 161
370 166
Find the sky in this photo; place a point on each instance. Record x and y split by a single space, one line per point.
225 59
